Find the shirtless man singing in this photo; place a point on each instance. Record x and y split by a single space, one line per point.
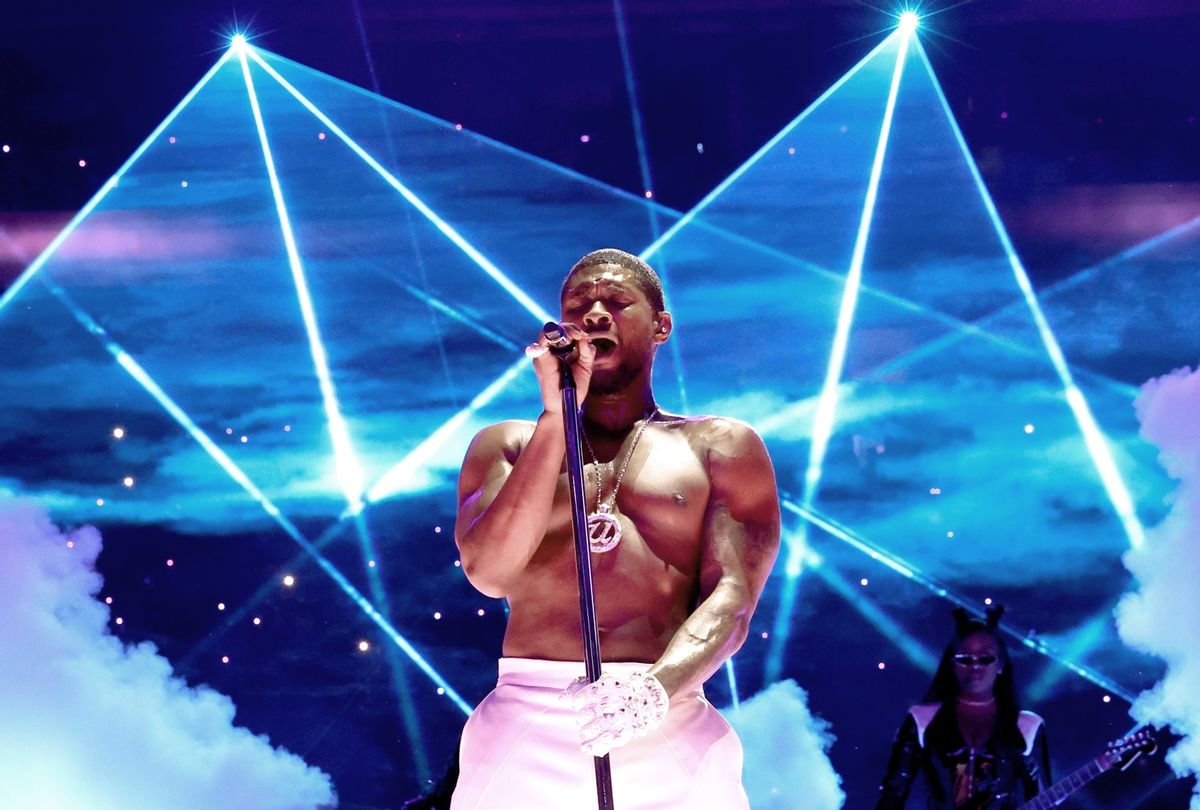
684 527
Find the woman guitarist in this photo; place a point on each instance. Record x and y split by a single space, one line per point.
967 744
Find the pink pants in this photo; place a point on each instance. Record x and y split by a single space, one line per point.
520 750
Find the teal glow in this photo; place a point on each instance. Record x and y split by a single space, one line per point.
1077 644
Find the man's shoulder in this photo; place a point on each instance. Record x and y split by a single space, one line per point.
720 431
509 435
509 427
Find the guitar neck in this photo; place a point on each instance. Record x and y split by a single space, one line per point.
1057 793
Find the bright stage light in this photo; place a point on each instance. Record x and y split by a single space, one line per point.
909 21
237 42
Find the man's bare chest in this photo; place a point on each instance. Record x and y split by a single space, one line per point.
659 500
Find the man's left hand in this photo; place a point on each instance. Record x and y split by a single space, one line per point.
615 709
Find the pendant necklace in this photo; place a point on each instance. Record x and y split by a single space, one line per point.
603 528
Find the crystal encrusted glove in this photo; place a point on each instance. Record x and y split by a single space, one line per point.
615 709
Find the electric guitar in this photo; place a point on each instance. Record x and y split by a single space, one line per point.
1120 754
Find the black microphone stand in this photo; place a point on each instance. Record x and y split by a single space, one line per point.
583 561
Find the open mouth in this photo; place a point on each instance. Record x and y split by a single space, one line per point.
603 345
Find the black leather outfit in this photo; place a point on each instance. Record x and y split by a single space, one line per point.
948 774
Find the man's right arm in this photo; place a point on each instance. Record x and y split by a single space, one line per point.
506 487
505 494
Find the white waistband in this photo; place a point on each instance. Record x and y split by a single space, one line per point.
540 672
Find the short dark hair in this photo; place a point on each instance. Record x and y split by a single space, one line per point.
643 274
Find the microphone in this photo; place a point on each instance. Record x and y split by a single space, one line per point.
557 341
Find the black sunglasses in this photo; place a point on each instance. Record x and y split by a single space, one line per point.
974 660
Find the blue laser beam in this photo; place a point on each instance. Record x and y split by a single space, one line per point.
454 314
143 378
389 142
379 595
961 328
781 627
635 110
446 229
1029 639
647 176
1093 437
913 651
828 398
435 327
349 470
721 187
731 678
1129 253
236 614
112 182
400 477
827 402
1076 646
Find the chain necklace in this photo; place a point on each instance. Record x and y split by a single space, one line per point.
603 528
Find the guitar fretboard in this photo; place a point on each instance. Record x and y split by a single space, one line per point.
1057 793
